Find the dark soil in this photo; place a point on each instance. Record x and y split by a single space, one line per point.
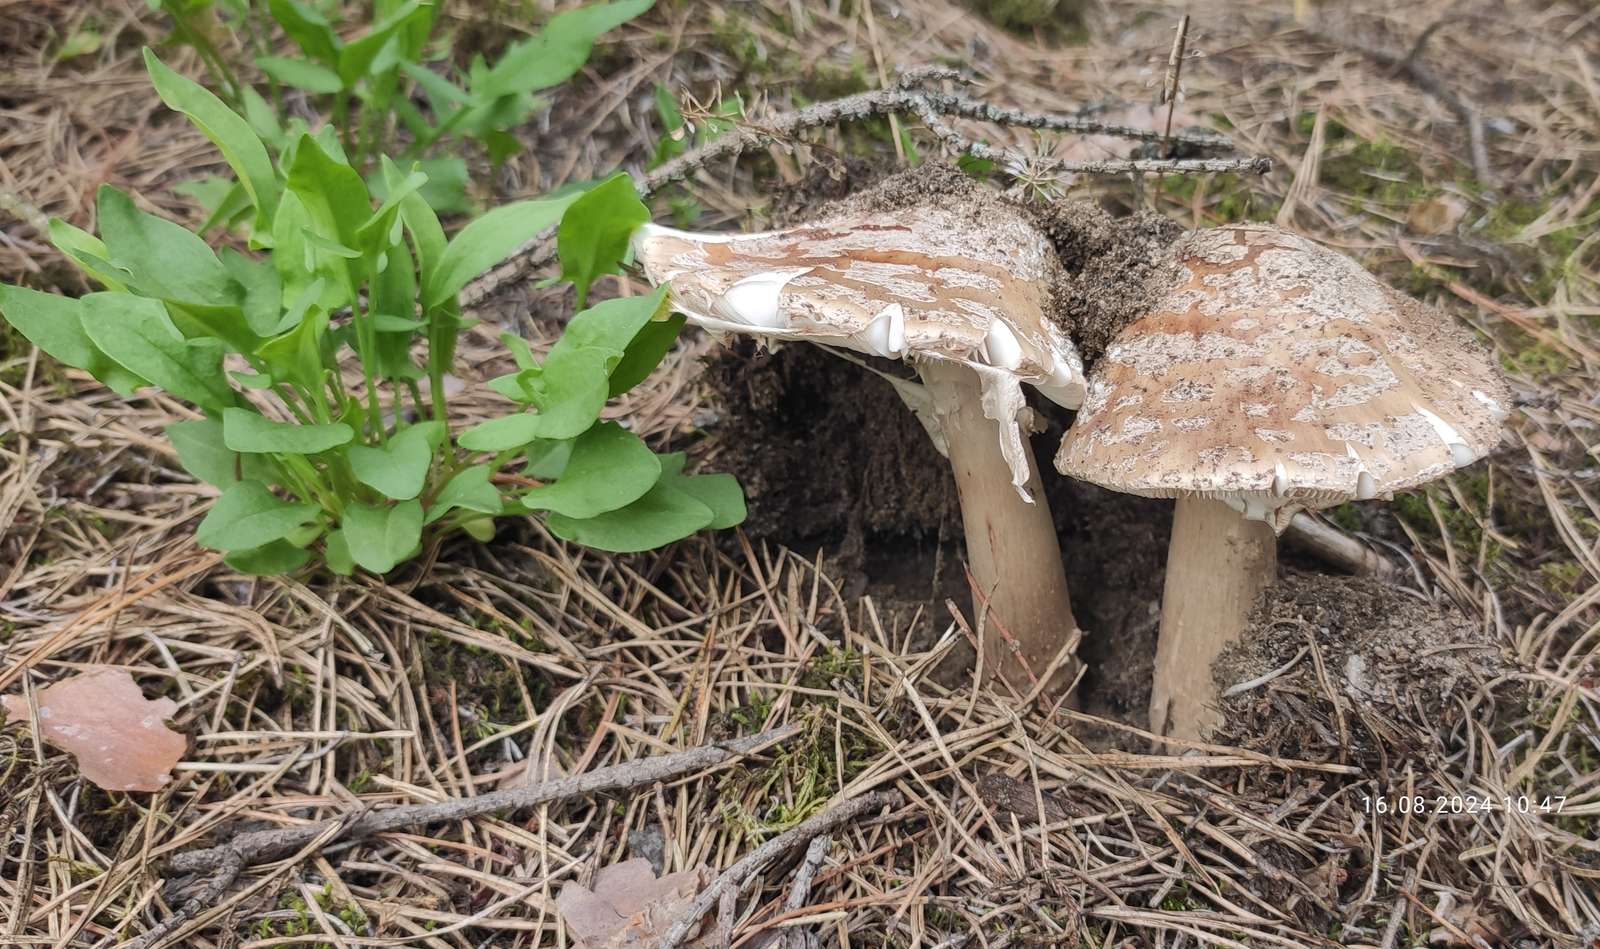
1116 268
825 450
1391 665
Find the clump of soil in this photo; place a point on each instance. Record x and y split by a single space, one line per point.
825 449
1395 670
1117 268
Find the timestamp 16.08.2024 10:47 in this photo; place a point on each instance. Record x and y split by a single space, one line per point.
1421 804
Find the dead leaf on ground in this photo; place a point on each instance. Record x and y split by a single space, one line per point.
102 718
629 908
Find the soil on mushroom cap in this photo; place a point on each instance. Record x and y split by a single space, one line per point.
1117 268
1396 664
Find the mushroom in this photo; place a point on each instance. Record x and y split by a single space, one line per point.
961 297
1275 375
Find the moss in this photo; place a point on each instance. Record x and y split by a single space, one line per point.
293 916
806 772
1346 516
1227 197
1463 525
1059 21
1562 577
1537 360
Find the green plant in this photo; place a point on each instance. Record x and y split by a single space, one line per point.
371 86
309 465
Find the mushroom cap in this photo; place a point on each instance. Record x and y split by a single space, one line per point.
1278 375
924 282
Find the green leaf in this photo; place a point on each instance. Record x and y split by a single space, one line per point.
138 334
248 515
489 240
336 554
593 237
427 236
88 252
299 265
335 201
379 231
516 386
572 392
208 191
309 29
231 134
248 431
719 492
611 326
164 259
557 52
548 459
357 56
645 352
301 74
202 453
662 516
501 434
80 42
261 291
381 537
469 488
261 118
399 469
296 356
269 560
446 188
610 467
55 325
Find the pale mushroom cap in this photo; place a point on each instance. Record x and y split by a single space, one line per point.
1279 375
917 283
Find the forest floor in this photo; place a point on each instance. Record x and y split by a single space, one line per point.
1452 147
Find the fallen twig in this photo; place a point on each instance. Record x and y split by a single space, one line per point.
1333 546
263 845
908 96
734 877
232 864
796 937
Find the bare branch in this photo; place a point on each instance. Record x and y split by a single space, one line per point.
734 877
263 845
908 96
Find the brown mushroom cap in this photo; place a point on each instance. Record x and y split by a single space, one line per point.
1279 375
923 282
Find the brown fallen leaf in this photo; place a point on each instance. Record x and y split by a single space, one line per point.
629 908
103 720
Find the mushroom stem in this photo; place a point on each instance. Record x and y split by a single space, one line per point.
1217 564
1012 548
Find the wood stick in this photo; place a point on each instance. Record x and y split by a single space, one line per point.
263 845
1333 546
734 877
906 97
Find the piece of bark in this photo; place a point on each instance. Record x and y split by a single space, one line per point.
102 718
